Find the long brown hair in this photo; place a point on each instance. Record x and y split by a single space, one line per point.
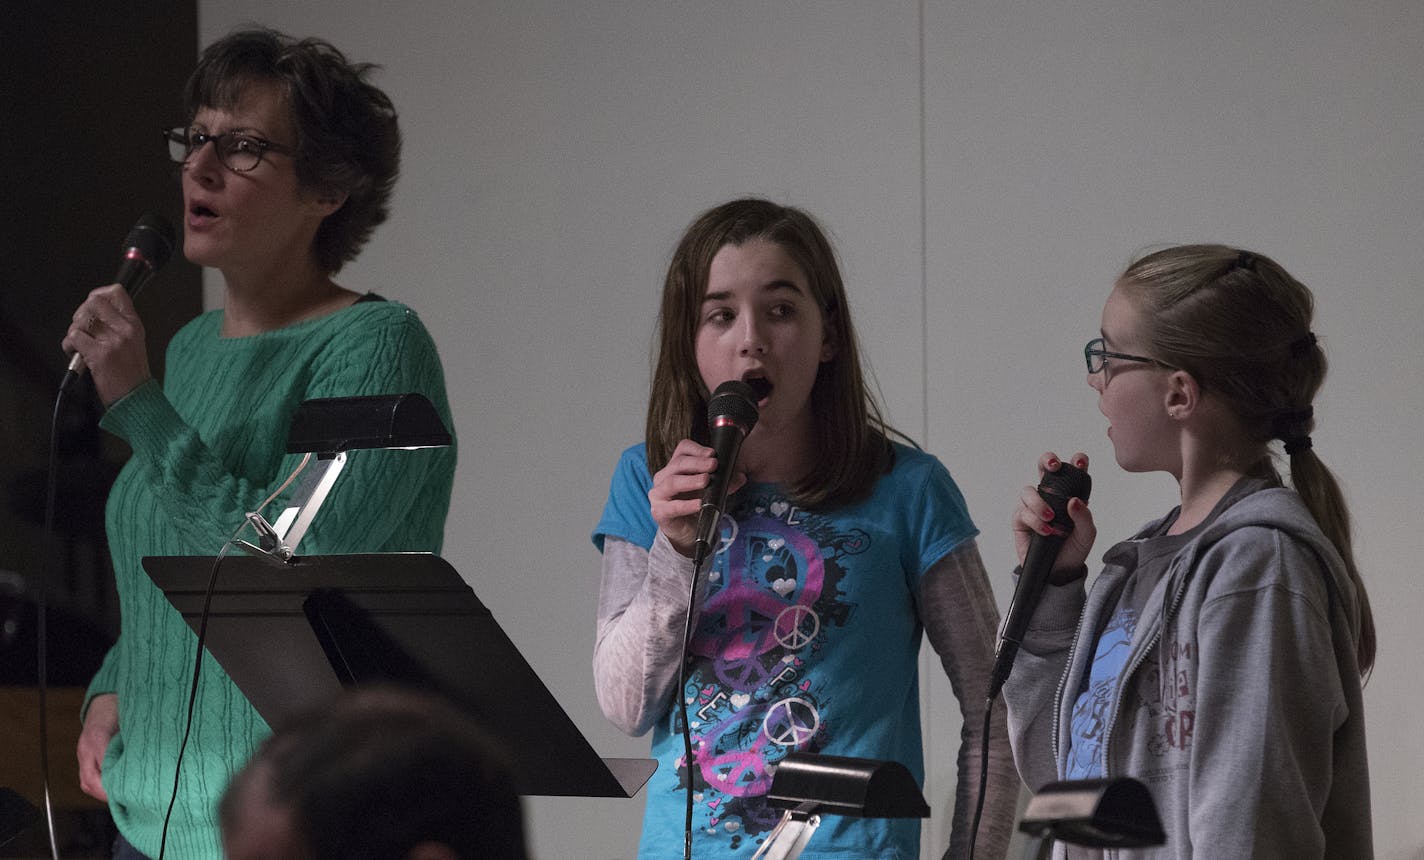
1240 324
851 434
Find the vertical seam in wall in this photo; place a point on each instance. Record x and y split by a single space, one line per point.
926 667
924 245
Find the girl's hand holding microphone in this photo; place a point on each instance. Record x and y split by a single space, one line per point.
676 494
1035 516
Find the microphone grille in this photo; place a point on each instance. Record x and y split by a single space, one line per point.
154 237
1069 481
733 400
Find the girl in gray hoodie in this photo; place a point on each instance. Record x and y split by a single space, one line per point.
1218 656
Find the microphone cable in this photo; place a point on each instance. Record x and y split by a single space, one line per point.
983 775
193 691
202 638
699 557
147 248
731 415
42 612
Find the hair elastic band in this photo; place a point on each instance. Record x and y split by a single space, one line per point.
1292 425
1298 444
1246 260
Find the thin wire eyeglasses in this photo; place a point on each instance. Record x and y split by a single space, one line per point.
237 151
1097 357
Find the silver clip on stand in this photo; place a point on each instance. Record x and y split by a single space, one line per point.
329 427
790 835
279 540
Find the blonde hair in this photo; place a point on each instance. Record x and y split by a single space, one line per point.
1240 325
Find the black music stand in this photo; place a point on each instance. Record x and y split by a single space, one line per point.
1098 813
809 785
292 634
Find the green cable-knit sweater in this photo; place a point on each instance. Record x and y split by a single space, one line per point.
208 446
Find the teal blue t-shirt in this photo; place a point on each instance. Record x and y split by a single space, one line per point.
807 641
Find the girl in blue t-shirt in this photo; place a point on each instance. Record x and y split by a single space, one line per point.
839 548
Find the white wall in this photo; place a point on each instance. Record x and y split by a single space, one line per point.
986 168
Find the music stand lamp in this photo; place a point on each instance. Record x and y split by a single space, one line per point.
809 786
329 427
1098 813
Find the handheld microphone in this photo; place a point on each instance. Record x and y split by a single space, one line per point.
731 415
1056 489
147 248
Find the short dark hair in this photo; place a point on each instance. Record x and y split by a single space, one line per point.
381 770
348 138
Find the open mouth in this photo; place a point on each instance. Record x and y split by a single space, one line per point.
759 384
200 211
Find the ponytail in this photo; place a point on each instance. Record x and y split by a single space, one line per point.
1317 487
1240 324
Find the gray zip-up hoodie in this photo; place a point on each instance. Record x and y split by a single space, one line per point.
1239 706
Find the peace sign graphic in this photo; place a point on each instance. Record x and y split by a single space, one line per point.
791 722
796 626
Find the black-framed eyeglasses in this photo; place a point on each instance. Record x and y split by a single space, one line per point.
1097 357
237 151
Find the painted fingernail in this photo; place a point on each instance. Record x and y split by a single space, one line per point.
1080 463
1053 462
